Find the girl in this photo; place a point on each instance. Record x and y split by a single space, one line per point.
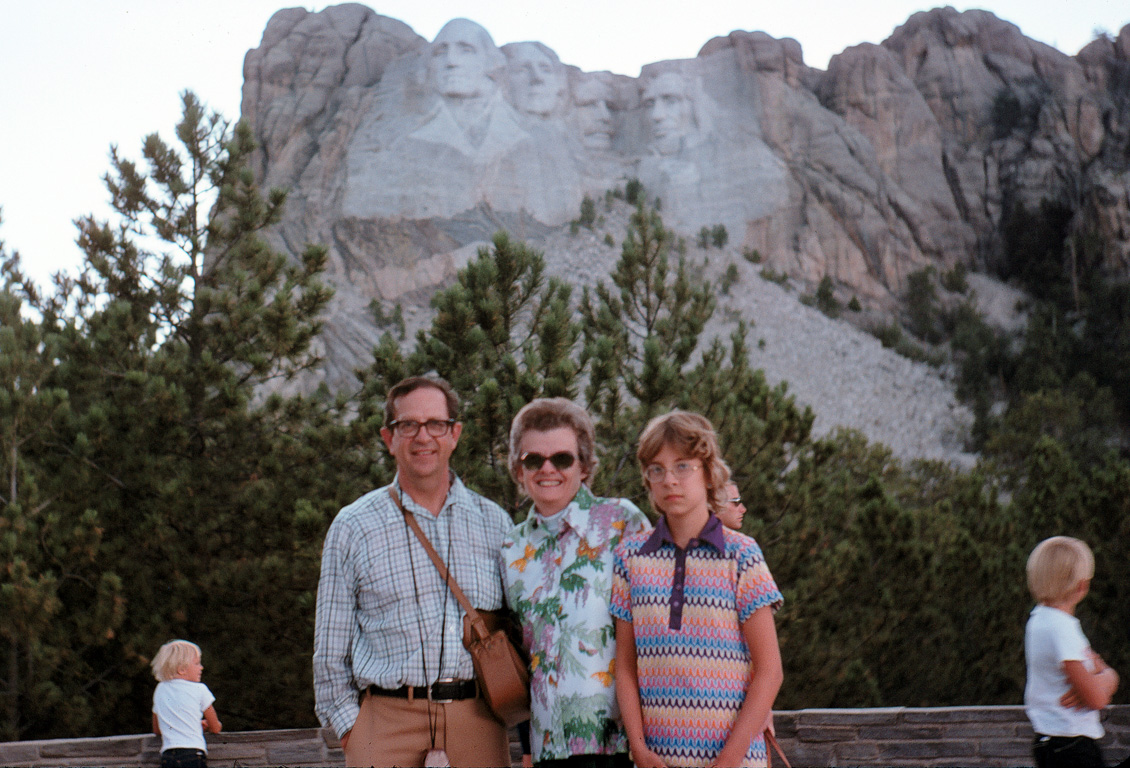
693 602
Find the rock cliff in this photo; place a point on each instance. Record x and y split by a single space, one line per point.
401 152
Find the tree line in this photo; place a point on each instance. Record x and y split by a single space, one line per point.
159 483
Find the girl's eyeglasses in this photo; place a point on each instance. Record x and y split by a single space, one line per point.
681 471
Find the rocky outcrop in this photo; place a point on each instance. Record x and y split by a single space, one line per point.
400 152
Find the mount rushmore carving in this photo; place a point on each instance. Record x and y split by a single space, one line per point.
400 152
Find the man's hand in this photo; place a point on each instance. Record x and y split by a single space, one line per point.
345 738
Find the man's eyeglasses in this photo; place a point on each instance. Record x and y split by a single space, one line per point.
561 460
408 428
681 471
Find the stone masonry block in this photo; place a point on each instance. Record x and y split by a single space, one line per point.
926 750
903 732
964 715
111 746
849 716
1014 748
825 733
296 753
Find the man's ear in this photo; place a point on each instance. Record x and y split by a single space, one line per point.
386 436
456 431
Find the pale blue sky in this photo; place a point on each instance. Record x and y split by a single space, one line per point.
79 75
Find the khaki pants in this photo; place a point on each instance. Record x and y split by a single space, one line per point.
392 731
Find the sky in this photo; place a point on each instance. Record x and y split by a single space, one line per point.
77 76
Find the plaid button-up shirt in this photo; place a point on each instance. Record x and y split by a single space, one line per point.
373 625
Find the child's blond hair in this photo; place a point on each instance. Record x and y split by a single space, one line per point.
172 656
1056 566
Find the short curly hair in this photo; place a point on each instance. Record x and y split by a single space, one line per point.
546 413
690 435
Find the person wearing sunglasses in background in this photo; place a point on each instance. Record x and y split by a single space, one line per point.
733 511
557 574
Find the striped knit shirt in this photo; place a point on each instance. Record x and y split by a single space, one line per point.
686 608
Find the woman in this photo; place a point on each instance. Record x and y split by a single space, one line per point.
557 571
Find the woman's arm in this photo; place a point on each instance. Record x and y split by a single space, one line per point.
211 721
766 675
156 725
628 697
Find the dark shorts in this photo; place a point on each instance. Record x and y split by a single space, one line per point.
184 758
1066 752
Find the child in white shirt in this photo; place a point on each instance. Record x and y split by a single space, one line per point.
182 706
1068 683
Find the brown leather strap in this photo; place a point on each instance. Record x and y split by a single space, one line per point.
771 741
477 622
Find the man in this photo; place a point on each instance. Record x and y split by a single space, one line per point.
734 511
391 676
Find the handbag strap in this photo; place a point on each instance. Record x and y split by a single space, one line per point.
771 741
477 622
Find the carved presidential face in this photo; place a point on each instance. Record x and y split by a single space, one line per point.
591 97
462 59
537 80
667 100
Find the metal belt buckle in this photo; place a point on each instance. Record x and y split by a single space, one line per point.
437 682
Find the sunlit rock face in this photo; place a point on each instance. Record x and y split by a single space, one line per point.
401 153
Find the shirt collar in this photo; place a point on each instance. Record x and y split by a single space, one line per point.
584 500
456 494
711 534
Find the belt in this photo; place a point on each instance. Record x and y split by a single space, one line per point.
439 692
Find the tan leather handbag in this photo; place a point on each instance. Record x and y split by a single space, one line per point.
502 673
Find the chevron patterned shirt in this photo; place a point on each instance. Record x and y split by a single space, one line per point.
686 607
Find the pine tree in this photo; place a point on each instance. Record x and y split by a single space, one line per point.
503 335
211 490
56 593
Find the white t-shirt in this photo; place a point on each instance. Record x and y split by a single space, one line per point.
179 706
1051 638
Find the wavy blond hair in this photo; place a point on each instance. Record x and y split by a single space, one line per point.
690 435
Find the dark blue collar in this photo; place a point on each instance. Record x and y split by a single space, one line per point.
711 534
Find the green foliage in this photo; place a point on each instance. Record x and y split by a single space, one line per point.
503 335
609 240
780 278
922 306
719 236
854 304
851 521
752 255
729 278
826 298
703 239
956 280
1034 248
190 488
634 192
588 212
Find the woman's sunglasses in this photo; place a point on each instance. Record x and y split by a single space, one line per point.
535 461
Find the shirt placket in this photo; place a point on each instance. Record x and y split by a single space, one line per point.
678 587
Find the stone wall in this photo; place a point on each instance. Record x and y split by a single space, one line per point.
967 736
